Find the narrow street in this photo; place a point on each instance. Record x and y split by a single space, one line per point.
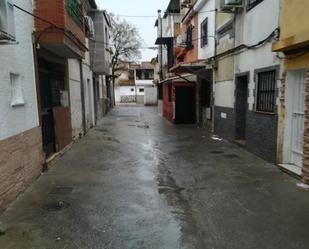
138 182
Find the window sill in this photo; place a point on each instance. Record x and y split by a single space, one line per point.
265 113
18 104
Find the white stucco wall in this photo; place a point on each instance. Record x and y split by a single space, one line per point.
250 29
151 96
224 94
88 90
75 97
144 82
124 91
205 10
18 59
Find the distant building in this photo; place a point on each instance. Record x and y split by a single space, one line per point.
135 83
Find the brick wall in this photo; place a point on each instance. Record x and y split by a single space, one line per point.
55 12
21 159
306 133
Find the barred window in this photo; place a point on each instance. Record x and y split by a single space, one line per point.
266 91
189 41
253 3
204 33
74 9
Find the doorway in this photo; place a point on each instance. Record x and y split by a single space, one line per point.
204 112
48 126
294 118
185 105
241 108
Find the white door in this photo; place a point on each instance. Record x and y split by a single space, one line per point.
295 104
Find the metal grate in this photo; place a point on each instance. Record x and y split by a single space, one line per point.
266 91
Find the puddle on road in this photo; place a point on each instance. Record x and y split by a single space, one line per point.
177 201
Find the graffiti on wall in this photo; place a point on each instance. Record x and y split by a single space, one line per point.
128 99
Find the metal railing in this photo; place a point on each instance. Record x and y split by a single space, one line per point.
74 9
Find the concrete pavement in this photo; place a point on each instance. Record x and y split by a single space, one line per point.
138 182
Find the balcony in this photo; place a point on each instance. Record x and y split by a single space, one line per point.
68 38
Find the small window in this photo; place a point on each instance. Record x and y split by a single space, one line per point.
147 76
132 89
253 3
141 90
17 98
266 92
189 41
204 33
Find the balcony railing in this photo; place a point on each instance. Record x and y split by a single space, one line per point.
74 9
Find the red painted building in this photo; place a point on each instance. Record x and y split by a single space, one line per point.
179 101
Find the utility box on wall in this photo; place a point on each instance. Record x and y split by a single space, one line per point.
7 22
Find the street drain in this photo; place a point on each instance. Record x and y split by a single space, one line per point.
56 206
61 191
216 152
231 156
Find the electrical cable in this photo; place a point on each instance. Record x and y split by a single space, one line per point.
66 32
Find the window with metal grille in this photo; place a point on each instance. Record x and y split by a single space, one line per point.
253 3
204 33
266 92
189 41
74 9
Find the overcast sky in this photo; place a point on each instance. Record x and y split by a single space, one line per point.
138 8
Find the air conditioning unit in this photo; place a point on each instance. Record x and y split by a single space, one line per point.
7 21
89 26
230 5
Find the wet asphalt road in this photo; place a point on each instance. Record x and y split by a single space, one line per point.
138 182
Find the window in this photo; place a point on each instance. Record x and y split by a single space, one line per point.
144 74
141 90
17 98
132 89
189 41
147 76
253 3
204 33
138 74
266 91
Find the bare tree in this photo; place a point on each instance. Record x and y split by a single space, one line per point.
126 43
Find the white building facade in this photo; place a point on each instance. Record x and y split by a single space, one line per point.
21 153
247 107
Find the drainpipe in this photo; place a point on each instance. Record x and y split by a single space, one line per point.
214 84
82 94
161 46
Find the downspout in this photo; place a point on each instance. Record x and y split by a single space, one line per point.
214 83
82 93
161 46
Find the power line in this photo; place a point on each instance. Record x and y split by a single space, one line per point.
129 16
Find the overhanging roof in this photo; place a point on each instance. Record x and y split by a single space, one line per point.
200 69
163 40
173 7
183 78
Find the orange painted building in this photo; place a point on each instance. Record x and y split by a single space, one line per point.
62 31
